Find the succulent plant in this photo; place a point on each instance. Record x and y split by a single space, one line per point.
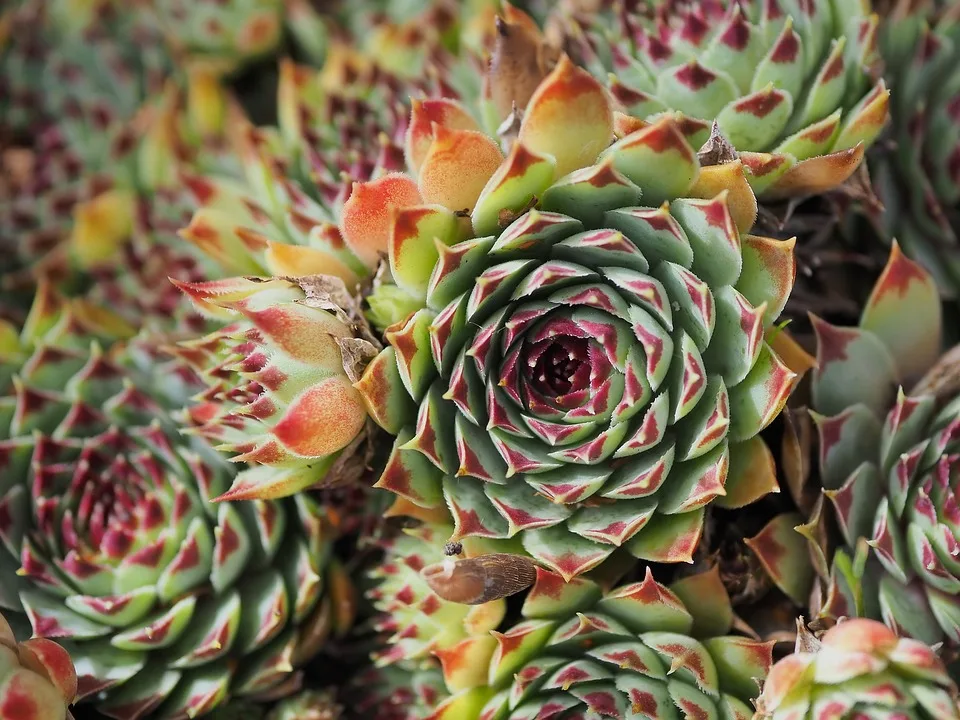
631 652
72 85
307 705
58 56
223 36
334 126
398 692
167 603
588 357
919 179
280 393
125 239
111 223
888 459
420 624
859 667
337 126
37 678
789 83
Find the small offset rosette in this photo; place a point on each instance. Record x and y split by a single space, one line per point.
281 396
168 603
335 127
791 85
223 35
890 460
588 368
423 628
37 678
638 650
858 668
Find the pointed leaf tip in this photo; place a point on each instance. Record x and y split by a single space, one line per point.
365 221
569 118
457 166
817 175
424 114
904 312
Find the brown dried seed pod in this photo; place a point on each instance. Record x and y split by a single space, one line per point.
517 63
478 580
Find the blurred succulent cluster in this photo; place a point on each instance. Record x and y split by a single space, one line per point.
441 360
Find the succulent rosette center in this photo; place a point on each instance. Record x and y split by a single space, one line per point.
560 367
587 356
582 376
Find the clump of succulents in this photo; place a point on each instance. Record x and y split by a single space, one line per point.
73 80
888 458
859 667
168 603
279 378
636 650
125 239
588 357
333 128
340 125
789 83
919 178
541 281
37 678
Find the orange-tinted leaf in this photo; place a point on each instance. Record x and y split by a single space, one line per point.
295 260
365 222
323 419
423 115
817 174
457 167
568 117
741 201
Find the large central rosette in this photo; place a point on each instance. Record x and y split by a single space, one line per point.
585 372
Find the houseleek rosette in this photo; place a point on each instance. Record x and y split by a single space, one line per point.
37 678
420 624
889 460
124 239
280 218
336 126
860 668
398 693
789 83
168 603
588 357
280 393
919 179
72 80
635 651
